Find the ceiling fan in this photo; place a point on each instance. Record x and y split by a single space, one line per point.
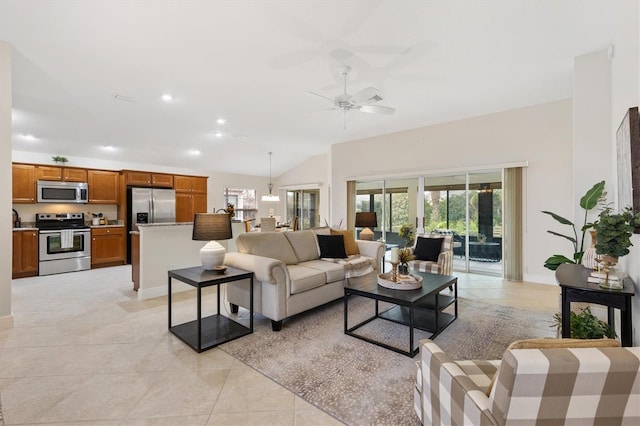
360 101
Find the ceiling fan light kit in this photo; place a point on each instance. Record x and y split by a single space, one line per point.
270 197
360 101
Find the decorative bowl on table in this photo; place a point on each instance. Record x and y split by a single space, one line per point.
220 269
404 282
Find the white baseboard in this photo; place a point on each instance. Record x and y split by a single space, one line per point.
6 322
152 292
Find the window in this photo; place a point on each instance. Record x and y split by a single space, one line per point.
244 201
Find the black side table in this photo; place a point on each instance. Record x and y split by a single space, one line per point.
205 333
575 288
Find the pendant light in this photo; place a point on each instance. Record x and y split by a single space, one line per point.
270 197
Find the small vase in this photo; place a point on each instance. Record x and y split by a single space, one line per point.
589 258
403 269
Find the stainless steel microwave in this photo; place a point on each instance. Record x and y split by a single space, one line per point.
62 192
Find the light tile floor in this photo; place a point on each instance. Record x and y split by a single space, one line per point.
84 350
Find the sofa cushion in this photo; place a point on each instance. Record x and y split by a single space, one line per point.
332 246
303 278
304 244
267 244
428 249
350 245
333 271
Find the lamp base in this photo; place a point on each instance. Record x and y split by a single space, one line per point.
366 234
212 254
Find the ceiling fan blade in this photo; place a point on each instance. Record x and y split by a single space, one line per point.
377 109
364 95
321 96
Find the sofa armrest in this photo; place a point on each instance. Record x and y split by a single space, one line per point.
445 260
448 395
372 249
262 267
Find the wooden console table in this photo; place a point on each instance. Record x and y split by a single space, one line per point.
575 288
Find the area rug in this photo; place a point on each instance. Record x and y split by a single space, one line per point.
363 384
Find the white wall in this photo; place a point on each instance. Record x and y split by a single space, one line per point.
625 93
6 317
540 135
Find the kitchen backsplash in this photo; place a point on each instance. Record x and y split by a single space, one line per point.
28 212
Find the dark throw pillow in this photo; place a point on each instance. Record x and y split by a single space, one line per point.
332 246
428 248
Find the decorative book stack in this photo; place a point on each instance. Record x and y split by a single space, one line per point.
613 276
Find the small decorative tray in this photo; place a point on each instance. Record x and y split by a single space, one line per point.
405 282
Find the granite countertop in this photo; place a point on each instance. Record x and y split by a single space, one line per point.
106 226
149 225
25 228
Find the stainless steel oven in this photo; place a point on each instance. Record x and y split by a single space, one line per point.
64 241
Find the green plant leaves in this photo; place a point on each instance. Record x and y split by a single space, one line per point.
560 219
593 196
556 260
585 325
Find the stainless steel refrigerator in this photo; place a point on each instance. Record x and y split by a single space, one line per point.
148 205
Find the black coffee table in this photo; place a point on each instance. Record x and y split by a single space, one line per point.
421 308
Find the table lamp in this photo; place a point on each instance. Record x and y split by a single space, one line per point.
366 220
211 227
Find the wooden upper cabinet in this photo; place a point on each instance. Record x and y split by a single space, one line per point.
67 174
49 173
190 184
133 178
74 175
137 178
162 180
103 186
24 183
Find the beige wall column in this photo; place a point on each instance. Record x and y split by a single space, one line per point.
6 318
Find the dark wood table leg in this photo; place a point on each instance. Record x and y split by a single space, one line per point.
566 314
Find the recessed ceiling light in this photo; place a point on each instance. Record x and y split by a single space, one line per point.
218 134
29 137
221 121
108 148
194 152
167 97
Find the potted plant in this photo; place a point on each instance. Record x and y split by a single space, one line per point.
231 210
592 198
404 257
614 232
585 325
59 159
406 233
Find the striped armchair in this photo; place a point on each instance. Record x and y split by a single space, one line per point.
532 386
444 264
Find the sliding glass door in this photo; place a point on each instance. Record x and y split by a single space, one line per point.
304 204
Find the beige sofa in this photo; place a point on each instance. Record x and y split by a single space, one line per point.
290 277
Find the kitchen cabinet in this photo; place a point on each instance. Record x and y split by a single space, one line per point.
103 186
67 174
160 180
191 196
25 254
108 246
188 204
190 184
24 183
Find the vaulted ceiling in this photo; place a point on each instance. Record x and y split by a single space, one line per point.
89 75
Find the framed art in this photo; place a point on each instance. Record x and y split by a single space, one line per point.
628 160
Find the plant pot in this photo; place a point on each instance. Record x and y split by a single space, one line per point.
610 276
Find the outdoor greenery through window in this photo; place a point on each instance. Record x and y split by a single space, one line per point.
244 201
